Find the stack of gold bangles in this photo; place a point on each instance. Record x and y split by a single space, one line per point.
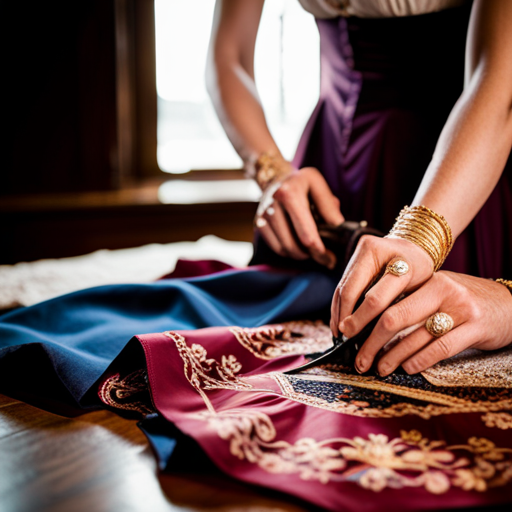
425 228
430 231
505 282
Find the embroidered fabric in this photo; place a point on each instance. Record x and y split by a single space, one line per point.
129 393
269 423
474 368
230 383
449 387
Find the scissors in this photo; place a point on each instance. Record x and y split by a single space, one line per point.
344 350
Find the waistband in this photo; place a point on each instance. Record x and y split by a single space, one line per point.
396 59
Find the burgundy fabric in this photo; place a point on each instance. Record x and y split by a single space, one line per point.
192 268
196 268
387 88
176 400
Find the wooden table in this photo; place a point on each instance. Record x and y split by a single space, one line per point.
100 462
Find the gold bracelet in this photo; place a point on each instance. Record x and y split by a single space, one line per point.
425 228
506 283
270 167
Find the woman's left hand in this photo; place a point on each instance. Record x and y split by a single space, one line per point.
481 310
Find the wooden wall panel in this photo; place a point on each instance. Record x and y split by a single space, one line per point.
59 96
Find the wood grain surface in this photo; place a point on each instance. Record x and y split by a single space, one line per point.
100 462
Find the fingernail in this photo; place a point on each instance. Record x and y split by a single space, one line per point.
407 369
326 261
331 260
384 370
360 365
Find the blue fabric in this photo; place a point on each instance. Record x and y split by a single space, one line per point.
163 437
76 336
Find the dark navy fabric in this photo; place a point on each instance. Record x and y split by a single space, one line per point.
59 348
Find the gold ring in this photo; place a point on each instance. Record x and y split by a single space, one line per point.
397 267
439 324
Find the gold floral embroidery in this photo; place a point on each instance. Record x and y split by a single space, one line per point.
288 338
251 436
116 392
502 420
408 461
375 462
208 374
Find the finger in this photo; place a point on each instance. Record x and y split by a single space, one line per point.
403 348
281 228
327 204
269 236
298 209
412 310
378 298
363 266
335 308
455 341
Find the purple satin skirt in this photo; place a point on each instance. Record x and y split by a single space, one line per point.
387 88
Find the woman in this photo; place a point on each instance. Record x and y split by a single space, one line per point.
392 126
328 435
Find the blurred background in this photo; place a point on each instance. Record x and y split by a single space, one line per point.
112 141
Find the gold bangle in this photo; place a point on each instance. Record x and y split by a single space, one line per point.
425 228
270 167
506 283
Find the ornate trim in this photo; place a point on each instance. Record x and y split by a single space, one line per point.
288 338
375 462
442 404
116 392
473 367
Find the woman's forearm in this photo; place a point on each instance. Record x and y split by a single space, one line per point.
469 158
239 109
230 77
476 141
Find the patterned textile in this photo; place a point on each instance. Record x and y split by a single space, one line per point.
329 435
215 369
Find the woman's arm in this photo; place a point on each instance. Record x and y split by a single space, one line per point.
230 82
468 161
477 138
230 77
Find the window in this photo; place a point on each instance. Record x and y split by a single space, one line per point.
287 76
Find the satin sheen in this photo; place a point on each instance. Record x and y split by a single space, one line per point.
387 88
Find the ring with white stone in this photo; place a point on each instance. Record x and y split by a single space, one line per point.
439 324
270 211
397 267
260 222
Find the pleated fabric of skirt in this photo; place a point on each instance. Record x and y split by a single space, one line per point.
387 88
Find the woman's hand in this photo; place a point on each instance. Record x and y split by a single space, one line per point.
481 311
371 256
284 216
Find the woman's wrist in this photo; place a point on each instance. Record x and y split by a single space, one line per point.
267 168
426 229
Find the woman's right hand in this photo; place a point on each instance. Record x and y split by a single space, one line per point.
371 256
284 216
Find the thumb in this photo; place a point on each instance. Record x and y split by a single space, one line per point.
327 204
